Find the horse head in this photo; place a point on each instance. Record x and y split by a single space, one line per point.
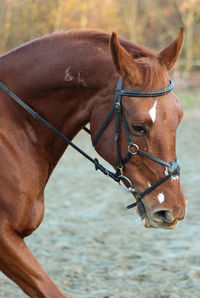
151 123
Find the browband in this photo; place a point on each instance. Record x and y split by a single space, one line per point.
141 93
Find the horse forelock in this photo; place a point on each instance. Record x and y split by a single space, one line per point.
154 75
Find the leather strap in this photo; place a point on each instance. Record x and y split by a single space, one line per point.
154 158
108 118
33 113
141 93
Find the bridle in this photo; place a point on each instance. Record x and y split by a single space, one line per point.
173 168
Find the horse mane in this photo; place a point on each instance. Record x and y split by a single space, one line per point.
143 56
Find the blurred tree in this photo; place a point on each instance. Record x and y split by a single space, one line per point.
190 14
85 14
151 23
5 23
129 13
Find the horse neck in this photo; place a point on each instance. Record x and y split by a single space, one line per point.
59 83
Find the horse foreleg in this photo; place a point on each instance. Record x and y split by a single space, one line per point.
19 264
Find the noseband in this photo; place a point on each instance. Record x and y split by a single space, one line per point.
173 168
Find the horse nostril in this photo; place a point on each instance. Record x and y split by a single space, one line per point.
163 216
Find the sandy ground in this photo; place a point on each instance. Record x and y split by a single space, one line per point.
92 246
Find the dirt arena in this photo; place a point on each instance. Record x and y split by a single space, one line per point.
92 246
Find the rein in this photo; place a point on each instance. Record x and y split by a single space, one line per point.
117 107
35 115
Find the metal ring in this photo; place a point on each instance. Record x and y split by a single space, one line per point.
136 149
129 189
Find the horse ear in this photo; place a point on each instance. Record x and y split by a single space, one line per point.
123 61
169 55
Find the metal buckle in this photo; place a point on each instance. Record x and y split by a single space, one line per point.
117 107
136 149
120 168
127 189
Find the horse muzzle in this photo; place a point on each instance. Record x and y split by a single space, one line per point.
162 217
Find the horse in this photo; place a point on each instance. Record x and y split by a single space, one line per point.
69 79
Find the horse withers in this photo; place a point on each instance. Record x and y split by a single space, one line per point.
69 79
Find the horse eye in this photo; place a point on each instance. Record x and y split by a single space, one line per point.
139 129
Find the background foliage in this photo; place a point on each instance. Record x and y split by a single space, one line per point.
151 23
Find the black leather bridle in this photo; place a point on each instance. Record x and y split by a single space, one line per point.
173 168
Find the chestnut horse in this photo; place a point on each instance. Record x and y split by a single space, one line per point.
69 79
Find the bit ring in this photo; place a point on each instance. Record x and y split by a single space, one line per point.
127 189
